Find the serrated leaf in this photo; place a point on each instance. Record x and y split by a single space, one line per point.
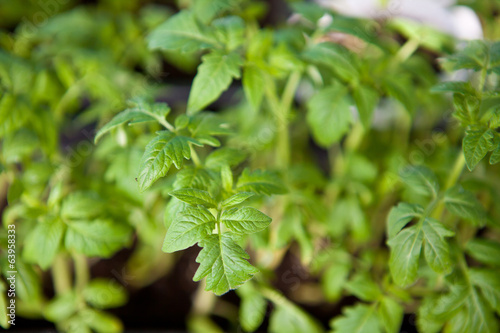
436 249
245 220
366 100
98 237
495 155
181 32
488 282
363 287
390 314
224 264
360 318
335 57
458 87
191 177
400 216
329 115
260 182
194 224
236 199
224 156
141 112
214 76
484 250
104 294
464 204
253 85
421 180
476 145
195 197
166 148
43 242
405 252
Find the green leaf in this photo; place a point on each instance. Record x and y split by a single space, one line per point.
329 115
206 10
405 252
101 322
458 87
495 155
223 263
488 282
335 57
390 314
360 318
160 153
400 216
43 242
436 249
104 294
191 177
181 32
4 320
464 204
421 180
291 319
236 199
82 205
195 197
260 182
363 287
334 279
98 237
214 76
253 85
140 113
61 307
484 250
224 156
194 224
252 308
366 100
476 145
245 220
230 30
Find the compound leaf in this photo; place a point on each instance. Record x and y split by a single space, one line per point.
194 224
245 220
436 249
401 215
214 76
195 197
181 32
405 252
160 153
224 264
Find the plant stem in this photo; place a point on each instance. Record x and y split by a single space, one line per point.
282 110
194 156
407 50
61 275
452 180
81 271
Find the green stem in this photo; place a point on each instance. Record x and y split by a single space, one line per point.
407 50
452 180
194 156
61 275
81 271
